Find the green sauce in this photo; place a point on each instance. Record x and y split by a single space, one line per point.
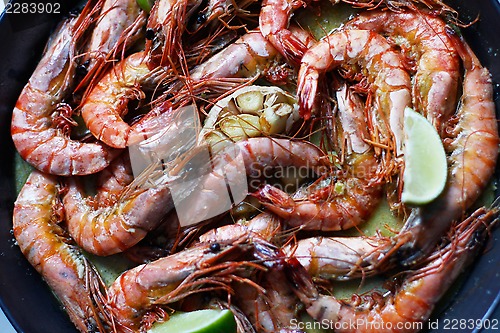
110 267
329 18
22 171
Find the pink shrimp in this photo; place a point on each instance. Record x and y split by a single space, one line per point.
118 27
354 195
275 17
473 152
414 300
249 55
438 68
384 68
107 102
112 180
265 225
36 218
273 22
147 288
119 216
40 129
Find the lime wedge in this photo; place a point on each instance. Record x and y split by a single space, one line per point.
425 171
145 5
202 321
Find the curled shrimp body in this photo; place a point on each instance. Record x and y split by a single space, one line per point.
273 23
112 180
383 67
416 296
358 192
438 67
47 248
107 102
118 217
473 152
40 130
353 204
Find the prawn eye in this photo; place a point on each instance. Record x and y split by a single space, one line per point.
150 34
215 247
202 18
82 68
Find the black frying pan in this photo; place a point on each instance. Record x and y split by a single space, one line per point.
26 299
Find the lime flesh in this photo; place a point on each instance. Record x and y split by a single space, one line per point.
202 321
425 171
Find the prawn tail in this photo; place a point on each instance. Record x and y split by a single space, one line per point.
275 199
300 281
291 47
306 90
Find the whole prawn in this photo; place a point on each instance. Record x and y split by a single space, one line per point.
117 219
36 218
473 152
417 295
383 67
40 128
438 67
146 288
